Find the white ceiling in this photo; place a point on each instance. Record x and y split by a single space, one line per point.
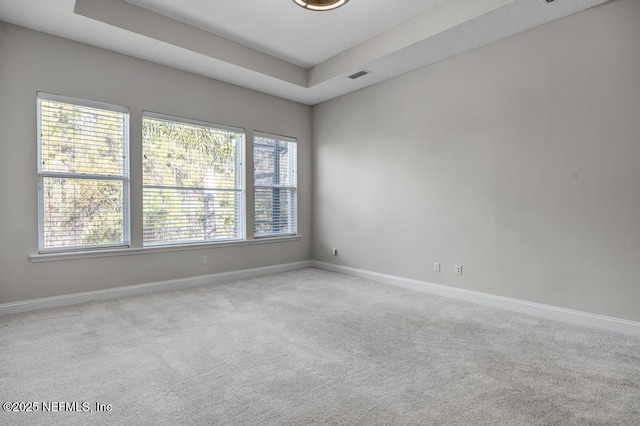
289 32
278 48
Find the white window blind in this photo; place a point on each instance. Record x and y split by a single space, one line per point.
83 172
275 182
193 181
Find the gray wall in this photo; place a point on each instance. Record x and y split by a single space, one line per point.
519 160
31 62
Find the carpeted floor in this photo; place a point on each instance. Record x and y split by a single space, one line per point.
313 347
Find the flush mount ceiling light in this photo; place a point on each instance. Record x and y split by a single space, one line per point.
320 5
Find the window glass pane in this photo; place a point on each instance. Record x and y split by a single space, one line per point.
274 162
79 139
82 212
83 173
274 211
184 215
192 177
275 185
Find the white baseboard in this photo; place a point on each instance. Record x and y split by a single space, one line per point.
530 308
135 290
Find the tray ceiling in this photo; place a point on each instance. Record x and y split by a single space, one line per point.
276 47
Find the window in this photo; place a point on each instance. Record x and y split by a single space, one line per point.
83 173
192 181
275 165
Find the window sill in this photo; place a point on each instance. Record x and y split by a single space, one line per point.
50 257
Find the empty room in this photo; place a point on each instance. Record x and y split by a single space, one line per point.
345 212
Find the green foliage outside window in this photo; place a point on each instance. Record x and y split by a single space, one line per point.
82 155
192 182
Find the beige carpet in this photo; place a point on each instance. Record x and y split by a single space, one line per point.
312 347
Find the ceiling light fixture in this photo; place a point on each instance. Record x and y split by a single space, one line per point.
320 5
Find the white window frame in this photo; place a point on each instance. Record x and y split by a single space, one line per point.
293 204
240 161
124 178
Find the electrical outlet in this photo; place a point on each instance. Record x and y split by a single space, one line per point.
458 269
205 260
335 251
436 266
